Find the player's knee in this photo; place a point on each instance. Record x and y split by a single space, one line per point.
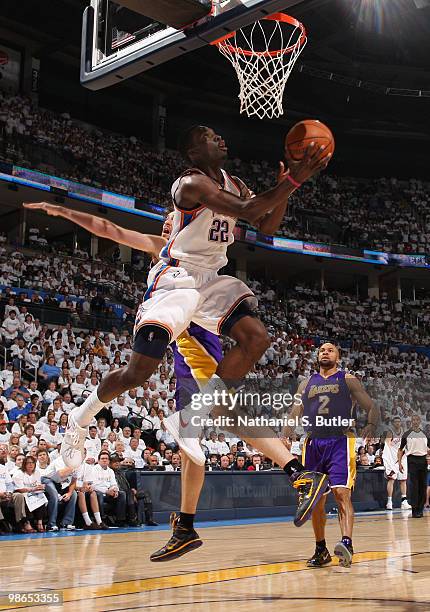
342 495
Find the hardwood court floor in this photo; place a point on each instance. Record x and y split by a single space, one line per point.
240 568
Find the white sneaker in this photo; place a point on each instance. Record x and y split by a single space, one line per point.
72 447
405 505
389 505
180 428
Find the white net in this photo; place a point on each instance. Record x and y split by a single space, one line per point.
263 56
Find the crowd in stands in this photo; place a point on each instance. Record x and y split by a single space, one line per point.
48 370
79 287
384 214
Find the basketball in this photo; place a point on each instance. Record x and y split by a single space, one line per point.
303 133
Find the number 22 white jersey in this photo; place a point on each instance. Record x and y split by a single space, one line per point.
200 237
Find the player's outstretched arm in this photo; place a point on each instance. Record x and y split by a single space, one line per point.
364 400
197 188
103 228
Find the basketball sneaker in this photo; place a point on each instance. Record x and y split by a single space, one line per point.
72 446
405 505
310 486
182 541
389 505
344 553
181 429
320 558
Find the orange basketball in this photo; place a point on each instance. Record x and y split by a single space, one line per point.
303 133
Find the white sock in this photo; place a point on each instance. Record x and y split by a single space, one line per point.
97 517
83 414
390 499
86 518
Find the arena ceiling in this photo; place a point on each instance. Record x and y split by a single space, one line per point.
384 43
381 42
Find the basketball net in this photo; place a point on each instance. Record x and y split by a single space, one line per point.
263 55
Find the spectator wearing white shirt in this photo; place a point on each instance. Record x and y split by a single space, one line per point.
133 451
53 437
27 479
28 440
119 409
87 496
126 435
92 444
9 498
51 393
33 389
136 434
107 490
10 328
78 387
4 433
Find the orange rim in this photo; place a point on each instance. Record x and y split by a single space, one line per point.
280 17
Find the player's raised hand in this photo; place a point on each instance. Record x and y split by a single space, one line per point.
313 161
49 209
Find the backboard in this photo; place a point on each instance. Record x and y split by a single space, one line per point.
109 54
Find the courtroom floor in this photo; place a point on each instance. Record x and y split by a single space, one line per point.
253 565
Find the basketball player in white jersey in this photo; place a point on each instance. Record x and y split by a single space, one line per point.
185 287
391 464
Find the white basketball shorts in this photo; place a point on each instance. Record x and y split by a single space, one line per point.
392 471
178 295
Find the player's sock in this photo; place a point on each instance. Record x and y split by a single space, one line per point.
347 541
293 466
98 518
389 499
86 518
84 414
186 520
321 545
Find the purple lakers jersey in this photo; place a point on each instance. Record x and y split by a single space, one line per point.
327 405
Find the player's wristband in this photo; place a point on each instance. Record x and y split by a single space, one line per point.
293 181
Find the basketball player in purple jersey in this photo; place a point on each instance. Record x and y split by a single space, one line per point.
327 400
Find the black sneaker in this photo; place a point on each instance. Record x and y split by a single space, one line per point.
182 541
151 523
344 553
310 487
102 526
320 558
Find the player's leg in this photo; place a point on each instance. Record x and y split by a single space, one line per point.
197 353
402 477
341 469
312 460
252 341
160 320
115 383
390 489
184 538
321 556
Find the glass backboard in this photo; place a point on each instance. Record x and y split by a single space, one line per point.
114 49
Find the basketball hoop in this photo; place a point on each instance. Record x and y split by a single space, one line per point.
263 55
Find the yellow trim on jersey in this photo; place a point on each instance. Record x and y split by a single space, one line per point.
304 450
352 464
197 358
